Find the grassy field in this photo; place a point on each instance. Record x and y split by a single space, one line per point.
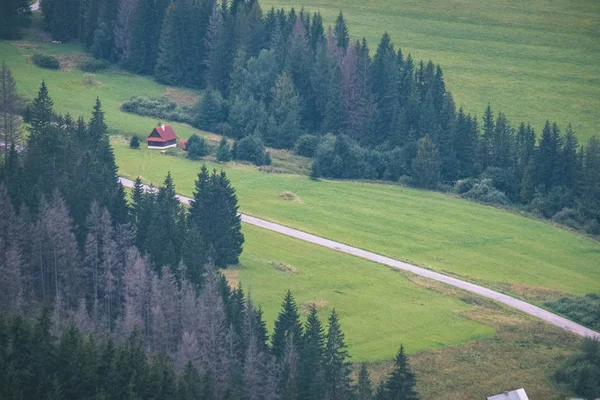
524 352
534 60
500 249
379 308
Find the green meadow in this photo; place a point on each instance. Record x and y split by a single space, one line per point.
379 308
534 60
497 248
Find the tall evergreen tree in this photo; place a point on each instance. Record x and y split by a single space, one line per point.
340 33
287 327
311 374
401 383
336 363
426 165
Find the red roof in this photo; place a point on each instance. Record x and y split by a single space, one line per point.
182 143
162 133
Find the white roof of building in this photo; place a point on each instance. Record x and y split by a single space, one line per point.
518 394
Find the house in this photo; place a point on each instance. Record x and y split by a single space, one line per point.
162 137
182 144
518 394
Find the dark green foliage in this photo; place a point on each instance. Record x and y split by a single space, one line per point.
336 361
426 165
400 385
364 387
581 373
585 310
209 112
214 212
340 32
14 16
252 149
287 328
92 65
196 147
306 145
158 107
45 61
134 143
311 372
223 151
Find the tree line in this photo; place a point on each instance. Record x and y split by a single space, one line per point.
126 296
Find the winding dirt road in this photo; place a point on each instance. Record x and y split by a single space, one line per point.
390 262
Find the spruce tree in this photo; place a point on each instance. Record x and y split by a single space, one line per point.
311 374
41 112
340 32
223 151
285 112
401 383
426 165
214 212
364 387
336 361
287 327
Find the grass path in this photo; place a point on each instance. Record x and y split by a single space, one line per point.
534 60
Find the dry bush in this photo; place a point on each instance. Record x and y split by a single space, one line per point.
318 304
285 268
184 98
290 196
89 80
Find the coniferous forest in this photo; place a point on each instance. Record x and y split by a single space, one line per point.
361 114
101 297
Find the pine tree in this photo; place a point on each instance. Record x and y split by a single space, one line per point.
548 156
14 16
364 387
569 165
401 383
336 361
340 32
287 327
334 109
426 165
311 375
286 112
165 227
209 113
223 151
41 111
214 212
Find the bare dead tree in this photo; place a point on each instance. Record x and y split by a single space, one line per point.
10 120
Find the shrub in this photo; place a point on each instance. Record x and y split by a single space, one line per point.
585 310
209 112
92 65
159 107
223 152
464 185
45 61
134 143
504 180
306 145
484 191
251 148
196 147
579 374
